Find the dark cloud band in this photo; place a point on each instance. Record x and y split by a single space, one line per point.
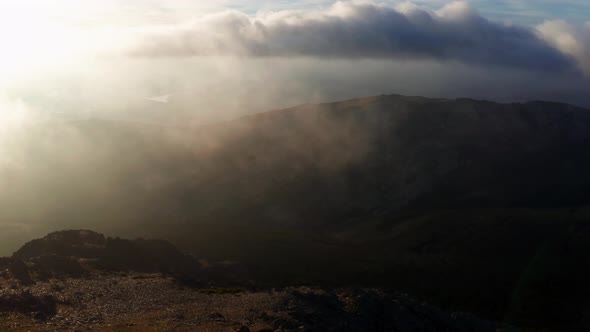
360 30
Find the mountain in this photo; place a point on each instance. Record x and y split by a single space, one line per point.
441 198
468 204
320 167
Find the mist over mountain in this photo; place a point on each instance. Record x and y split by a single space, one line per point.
311 166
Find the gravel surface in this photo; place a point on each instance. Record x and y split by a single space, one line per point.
137 302
152 302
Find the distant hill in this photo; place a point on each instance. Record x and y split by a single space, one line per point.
442 198
322 166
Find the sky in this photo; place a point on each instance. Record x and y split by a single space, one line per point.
136 11
60 31
126 59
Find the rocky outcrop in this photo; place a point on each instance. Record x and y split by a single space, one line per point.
15 268
371 310
42 307
76 253
72 243
81 253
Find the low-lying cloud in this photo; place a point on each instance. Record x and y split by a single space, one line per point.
456 32
571 40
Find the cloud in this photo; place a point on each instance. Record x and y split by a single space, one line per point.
456 32
571 40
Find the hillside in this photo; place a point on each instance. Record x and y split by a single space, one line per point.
438 198
82 280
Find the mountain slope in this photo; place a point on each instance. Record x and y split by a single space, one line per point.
320 167
441 198
425 195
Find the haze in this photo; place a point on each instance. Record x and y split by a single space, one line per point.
178 65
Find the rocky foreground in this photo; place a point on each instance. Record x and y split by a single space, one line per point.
142 302
76 281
